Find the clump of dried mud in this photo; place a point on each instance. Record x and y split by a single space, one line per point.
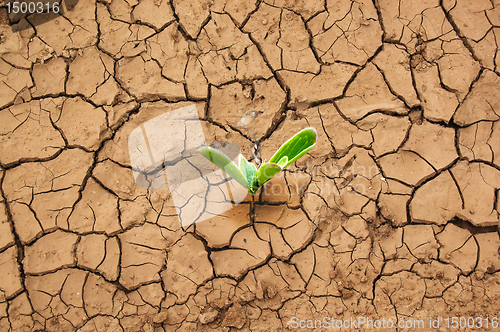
394 214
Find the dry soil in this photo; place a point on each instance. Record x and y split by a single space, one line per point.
394 214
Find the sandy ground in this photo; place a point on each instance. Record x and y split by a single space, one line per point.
393 215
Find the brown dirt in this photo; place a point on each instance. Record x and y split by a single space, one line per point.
394 214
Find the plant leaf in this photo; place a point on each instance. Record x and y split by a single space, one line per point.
224 163
283 161
265 172
295 147
248 170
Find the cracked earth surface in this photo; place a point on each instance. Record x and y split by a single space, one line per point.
393 214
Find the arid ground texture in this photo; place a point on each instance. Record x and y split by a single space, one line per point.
393 215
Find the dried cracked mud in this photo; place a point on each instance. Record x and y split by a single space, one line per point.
394 214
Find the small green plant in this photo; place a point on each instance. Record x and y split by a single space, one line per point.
247 173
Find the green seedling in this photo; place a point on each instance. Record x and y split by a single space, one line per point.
247 173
